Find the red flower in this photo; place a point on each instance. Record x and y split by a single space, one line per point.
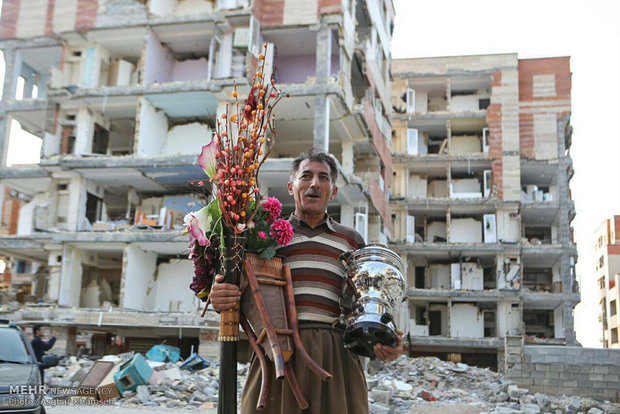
273 207
282 232
262 235
250 104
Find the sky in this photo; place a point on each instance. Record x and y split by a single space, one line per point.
589 32
586 30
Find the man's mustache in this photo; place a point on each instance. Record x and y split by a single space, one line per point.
313 193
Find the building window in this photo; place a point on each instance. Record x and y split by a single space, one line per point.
614 335
601 261
612 307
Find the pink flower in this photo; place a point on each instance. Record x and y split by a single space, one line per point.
282 232
198 226
262 235
206 160
273 207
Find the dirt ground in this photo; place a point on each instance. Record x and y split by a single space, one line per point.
73 409
447 409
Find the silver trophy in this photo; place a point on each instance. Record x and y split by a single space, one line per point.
374 288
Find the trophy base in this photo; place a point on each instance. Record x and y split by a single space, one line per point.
361 337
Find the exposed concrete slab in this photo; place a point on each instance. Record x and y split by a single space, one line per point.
452 247
71 162
444 115
34 42
454 159
18 243
491 295
23 172
550 300
456 343
89 318
13 105
146 236
548 249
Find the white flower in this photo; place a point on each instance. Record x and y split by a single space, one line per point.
241 226
188 218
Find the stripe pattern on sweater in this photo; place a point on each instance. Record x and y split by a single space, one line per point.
317 273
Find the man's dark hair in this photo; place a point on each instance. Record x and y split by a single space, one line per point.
35 329
315 155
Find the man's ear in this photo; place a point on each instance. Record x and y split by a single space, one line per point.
290 188
334 192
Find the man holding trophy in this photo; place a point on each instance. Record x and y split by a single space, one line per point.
318 274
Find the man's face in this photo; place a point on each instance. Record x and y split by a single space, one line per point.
312 187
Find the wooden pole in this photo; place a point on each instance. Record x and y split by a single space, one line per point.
232 256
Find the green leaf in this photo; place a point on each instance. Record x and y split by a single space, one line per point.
268 252
214 209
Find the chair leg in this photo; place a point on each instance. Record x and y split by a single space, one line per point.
264 387
295 387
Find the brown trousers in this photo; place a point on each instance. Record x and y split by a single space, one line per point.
345 393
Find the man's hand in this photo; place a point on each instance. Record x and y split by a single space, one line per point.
387 353
224 295
53 333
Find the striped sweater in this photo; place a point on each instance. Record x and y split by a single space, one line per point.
317 273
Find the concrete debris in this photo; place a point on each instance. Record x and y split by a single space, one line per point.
394 388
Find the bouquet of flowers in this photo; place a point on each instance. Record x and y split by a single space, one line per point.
242 140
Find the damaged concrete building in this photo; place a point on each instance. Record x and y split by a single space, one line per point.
122 95
481 202
460 164
607 257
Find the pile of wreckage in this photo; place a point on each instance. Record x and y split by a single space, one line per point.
163 379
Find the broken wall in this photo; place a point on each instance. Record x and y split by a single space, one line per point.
545 97
438 188
158 62
466 230
180 7
466 144
466 321
418 186
28 214
138 270
508 319
161 66
436 229
589 372
71 277
85 129
172 293
187 139
508 225
155 136
152 130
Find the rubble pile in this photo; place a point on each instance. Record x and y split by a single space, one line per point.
397 386
394 387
